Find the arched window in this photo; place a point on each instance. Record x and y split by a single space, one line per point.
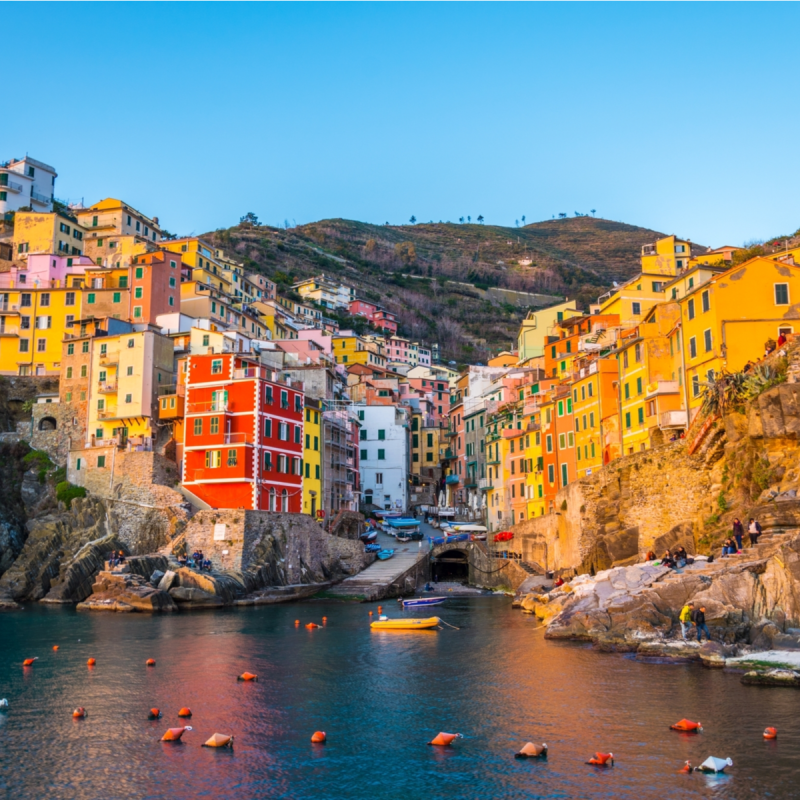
47 424
284 501
273 500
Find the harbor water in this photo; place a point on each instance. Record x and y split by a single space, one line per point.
380 697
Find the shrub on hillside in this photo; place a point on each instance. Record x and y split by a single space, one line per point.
66 493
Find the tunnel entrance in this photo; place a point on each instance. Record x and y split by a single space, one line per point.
450 566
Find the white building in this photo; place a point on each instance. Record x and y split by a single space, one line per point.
384 455
26 182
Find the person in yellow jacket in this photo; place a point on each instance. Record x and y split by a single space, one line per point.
686 619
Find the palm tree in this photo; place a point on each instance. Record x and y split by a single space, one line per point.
516 222
593 211
523 219
461 219
413 219
469 219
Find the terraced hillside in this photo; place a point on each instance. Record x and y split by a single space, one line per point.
435 276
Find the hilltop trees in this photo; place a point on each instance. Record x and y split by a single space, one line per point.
249 219
480 219
413 220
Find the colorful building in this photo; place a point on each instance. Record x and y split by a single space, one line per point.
243 443
312 457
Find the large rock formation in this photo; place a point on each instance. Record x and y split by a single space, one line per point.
750 599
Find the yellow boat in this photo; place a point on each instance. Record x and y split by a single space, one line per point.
405 624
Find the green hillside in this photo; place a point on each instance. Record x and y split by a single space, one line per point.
419 271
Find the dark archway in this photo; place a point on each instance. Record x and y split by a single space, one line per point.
47 424
452 565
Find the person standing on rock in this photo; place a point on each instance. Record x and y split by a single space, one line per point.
686 619
738 533
754 531
699 619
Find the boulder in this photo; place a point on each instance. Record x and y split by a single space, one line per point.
681 535
195 598
772 677
167 581
713 654
156 577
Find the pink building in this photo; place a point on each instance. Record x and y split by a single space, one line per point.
398 349
377 316
43 271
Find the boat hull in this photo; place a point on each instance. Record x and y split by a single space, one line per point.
414 602
404 624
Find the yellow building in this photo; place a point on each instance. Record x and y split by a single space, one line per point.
349 348
312 458
594 400
661 262
534 478
47 233
112 217
116 251
690 279
33 324
538 325
125 373
727 321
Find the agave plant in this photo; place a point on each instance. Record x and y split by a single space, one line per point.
725 390
762 378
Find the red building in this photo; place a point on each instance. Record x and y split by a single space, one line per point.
377 316
243 435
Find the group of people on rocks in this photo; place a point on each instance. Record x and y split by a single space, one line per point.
733 544
198 561
117 558
690 616
677 559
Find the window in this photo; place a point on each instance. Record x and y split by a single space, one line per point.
560 408
706 301
298 404
205 340
707 343
781 294
198 426
83 371
628 419
44 299
283 431
695 385
41 345
564 475
123 282
297 434
690 309
138 292
562 441
551 473
139 272
284 399
231 458
69 397
381 434
381 455
570 439
214 425
591 419
102 376
636 308
692 347
78 464
216 366
101 462
137 312
70 349
638 386
90 298
363 455
213 458
117 297
549 442
268 395
627 391
69 299
268 428
640 415
267 462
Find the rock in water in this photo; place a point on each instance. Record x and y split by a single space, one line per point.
156 577
167 581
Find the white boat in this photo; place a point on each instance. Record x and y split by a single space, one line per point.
412 602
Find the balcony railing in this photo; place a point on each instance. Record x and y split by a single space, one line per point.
210 406
41 198
108 388
9 330
484 483
661 387
107 359
12 186
107 413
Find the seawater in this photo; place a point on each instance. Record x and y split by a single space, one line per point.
380 697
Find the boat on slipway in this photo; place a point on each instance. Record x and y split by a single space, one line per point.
415 602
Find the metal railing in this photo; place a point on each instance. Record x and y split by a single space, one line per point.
15 187
40 198
210 405
9 330
108 388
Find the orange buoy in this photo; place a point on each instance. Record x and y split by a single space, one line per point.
28 662
602 760
380 609
324 620
185 712
687 767
297 623
311 625
151 662
174 734
531 750
247 676
79 713
154 714
219 740
55 647
370 613
444 739
686 726
91 662
770 733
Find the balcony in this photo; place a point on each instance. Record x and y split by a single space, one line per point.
108 388
448 454
107 413
450 480
661 387
171 406
11 186
210 407
670 420
484 484
9 308
109 359
41 199
9 330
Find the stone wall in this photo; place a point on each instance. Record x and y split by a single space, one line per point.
649 500
70 430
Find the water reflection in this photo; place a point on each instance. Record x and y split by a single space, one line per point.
380 696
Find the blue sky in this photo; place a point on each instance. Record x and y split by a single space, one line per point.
680 117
